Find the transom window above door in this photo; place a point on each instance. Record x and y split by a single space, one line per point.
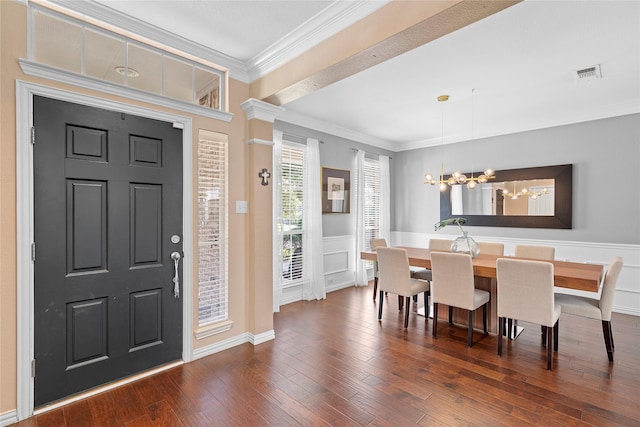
95 52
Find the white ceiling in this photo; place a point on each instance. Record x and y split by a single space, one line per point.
521 63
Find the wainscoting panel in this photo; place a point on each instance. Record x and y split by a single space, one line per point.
339 258
627 298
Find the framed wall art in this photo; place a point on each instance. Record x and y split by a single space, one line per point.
336 190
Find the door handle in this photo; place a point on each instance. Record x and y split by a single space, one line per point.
175 256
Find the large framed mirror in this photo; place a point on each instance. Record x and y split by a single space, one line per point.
539 197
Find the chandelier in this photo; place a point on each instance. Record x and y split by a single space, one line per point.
456 177
523 193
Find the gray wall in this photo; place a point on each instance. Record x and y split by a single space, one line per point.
336 152
606 178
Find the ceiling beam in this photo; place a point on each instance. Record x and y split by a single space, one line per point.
392 30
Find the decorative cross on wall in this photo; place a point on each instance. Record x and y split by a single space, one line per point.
265 176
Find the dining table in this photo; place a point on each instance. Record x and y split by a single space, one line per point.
566 274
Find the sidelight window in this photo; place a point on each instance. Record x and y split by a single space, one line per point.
212 228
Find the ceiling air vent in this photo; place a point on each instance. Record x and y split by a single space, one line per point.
589 73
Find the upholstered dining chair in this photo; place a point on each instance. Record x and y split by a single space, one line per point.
599 309
439 245
491 248
544 253
453 285
395 278
376 243
525 292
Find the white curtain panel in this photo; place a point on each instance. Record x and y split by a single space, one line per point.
385 199
312 243
357 183
277 229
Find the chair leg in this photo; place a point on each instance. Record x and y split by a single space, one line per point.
375 287
407 309
608 338
470 330
510 333
400 302
380 302
426 304
450 315
556 327
435 319
549 349
544 336
613 346
501 322
484 319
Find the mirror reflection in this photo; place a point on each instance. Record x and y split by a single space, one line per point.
506 204
533 197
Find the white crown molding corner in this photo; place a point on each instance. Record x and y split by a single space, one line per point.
260 110
295 118
333 19
260 141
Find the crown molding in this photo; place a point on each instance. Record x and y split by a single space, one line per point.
334 18
609 111
260 110
332 129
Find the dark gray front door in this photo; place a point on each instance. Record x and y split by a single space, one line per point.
107 202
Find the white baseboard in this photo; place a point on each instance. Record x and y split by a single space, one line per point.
263 337
217 347
338 286
8 418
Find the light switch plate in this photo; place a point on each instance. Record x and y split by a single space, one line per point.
242 206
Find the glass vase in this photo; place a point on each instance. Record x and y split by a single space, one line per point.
465 244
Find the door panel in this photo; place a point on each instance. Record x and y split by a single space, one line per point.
146 224
86 332
107 198
86 226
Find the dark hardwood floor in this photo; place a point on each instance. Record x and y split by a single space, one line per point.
333 364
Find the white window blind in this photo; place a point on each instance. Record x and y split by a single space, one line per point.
290 221
212 229
371 201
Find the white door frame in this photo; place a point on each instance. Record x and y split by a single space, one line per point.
25 222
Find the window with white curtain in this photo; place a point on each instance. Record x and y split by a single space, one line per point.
372 188
212 228
290 216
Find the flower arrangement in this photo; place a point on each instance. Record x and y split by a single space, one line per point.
464 243
457 221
